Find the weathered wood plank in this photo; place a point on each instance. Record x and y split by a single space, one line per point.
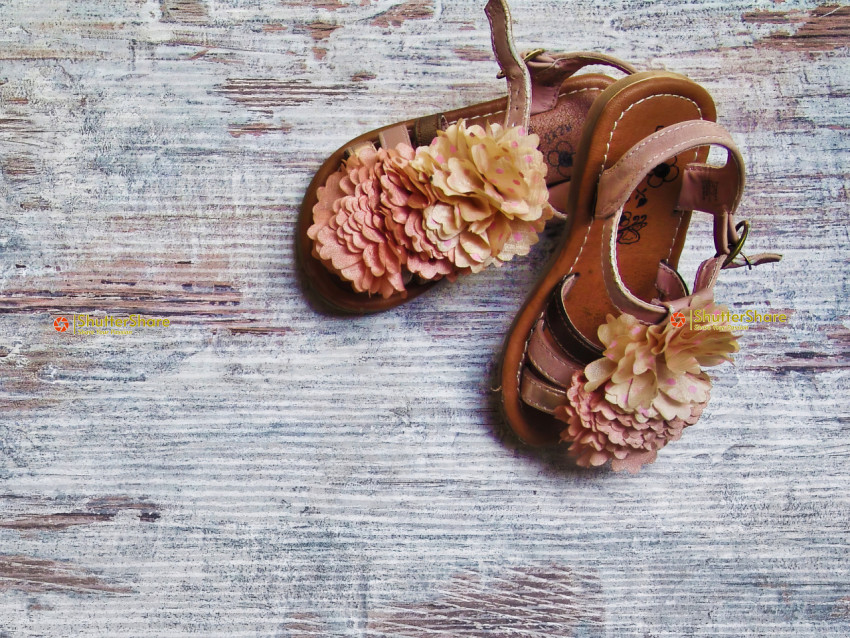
259 468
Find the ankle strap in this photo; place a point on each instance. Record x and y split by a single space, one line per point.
549 70
715 190
535 77
518 109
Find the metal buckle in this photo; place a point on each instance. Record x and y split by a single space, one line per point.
736 249
530 55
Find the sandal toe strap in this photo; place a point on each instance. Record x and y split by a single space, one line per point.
539 394
555 351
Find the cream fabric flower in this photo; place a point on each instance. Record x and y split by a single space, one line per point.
490 186
655 371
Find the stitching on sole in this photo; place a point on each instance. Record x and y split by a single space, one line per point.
608 150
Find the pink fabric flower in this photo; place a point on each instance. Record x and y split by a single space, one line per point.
474 197
405 195
599 431
367 224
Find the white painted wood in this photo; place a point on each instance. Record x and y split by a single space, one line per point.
258 468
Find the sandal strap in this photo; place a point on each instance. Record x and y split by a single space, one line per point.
518 109
669 283
556 349
534 77
539 394
554 352
425 128
393 136
548 357
549 70
716 190
617 183
565 334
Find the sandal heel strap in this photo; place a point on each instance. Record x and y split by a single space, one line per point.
716 190
549 70
518 109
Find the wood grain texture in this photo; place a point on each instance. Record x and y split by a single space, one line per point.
261 469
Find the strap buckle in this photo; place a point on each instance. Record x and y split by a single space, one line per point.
529 55
743 228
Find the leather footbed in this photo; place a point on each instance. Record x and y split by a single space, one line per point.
651 230
559 130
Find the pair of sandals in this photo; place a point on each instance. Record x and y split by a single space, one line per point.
600 356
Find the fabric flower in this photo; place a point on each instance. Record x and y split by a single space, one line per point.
367 224
471 198
655 371
404 196
491 193
600 431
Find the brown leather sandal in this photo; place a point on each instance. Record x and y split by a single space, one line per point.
382 222
594 357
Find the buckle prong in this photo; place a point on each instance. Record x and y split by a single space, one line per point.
743 228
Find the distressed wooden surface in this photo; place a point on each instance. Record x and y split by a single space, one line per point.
259 469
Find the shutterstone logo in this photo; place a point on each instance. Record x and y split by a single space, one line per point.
702 319
85 324
677 319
